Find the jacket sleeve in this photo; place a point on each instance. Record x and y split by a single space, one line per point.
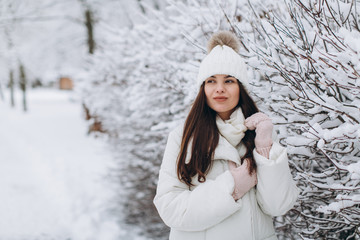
192 210
276 190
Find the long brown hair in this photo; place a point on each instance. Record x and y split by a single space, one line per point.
200 128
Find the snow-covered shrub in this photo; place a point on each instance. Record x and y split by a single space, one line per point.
312 49
131 94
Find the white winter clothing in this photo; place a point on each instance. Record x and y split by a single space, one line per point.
233 129
207 211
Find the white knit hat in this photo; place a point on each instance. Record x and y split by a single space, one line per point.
223 58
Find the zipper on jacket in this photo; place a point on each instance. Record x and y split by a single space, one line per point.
252 214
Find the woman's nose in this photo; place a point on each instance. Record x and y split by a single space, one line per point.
220 88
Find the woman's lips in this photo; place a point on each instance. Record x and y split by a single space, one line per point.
220 99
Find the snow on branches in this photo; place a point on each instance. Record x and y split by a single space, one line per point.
313 55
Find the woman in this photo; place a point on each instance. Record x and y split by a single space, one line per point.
223 175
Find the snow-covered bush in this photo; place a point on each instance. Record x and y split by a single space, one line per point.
312 49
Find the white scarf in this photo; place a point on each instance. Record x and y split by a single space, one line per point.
233 129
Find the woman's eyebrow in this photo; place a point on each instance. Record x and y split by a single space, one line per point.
228 76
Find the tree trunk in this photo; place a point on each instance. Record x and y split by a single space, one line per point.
141 7
1 93
11 86
89 22
23 85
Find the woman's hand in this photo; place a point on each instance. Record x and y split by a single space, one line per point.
243 180
263 128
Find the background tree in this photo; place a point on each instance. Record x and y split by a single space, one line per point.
8 25
34 34
23 83
89 24
11 86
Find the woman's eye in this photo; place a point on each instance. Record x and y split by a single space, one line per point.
229 81
210 81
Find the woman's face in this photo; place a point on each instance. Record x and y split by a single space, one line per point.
222 94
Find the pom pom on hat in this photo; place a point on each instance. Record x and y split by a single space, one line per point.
223 58
223 38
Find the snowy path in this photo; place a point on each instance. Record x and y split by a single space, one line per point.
52 175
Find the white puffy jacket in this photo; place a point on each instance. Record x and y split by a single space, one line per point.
207 211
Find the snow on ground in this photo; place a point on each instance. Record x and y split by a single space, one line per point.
52 174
